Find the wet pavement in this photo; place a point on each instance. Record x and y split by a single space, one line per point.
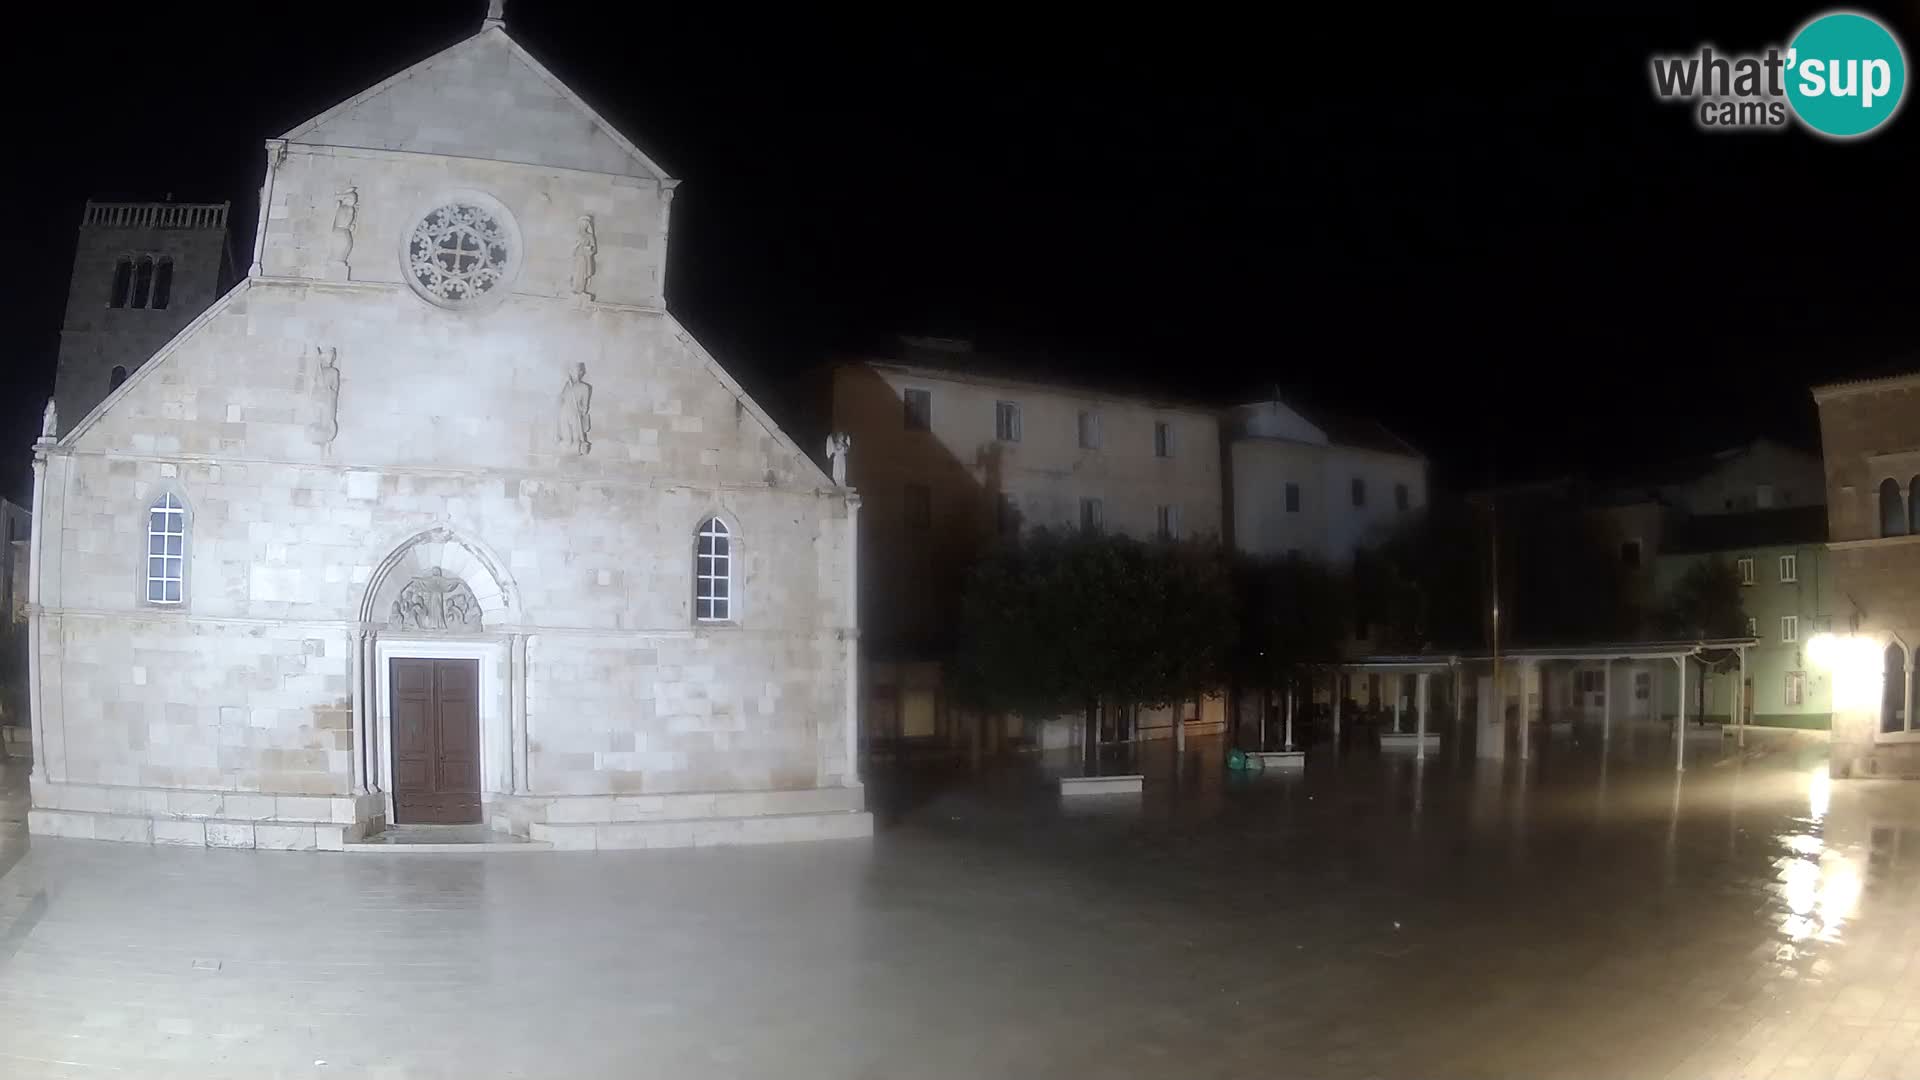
1583 915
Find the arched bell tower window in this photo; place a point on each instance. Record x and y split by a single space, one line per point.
1893 514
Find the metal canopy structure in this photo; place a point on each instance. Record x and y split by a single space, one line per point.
1679 651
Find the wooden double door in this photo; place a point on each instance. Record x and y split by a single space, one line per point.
436 741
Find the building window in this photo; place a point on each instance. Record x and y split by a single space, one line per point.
457 254
1168 520
919 410
1008 511
1092 515
1162 439
1893 693
122 282
1789 628
713 573
1753 627
142 282
1293 498
919 507
1913 506
1893 516
1089 430
1745 567
1789 569
162 285
1359 491
117 376
1642 685
1006 421
1630 554
166 551
1402 498
1796 693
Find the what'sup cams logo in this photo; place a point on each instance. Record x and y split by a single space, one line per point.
1842 76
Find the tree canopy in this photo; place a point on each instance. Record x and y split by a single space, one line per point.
1290 611
1064 619
1706 602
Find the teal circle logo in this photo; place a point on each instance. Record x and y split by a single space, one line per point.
1846 74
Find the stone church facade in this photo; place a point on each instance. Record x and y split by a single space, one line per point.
439 516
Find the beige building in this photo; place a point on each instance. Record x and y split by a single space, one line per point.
440 516
1871 435
952 452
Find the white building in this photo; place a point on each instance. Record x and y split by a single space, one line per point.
1317 484
440 516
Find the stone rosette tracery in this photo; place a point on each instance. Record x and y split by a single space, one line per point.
458 253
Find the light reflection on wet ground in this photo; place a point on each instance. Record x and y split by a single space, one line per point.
1583 915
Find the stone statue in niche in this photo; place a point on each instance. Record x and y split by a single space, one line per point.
584 250
50 422
326 397
838 445
576 400
434 601
340 245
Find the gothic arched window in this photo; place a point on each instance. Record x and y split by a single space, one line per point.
117 376
142 281
713 573
122 282
1893 694
166 550
1893 515
162 285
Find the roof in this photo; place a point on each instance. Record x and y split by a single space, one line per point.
484 97
1893 376
956 360
1701 533
1599 650
1346 429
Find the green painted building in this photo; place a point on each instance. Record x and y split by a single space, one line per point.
1788 595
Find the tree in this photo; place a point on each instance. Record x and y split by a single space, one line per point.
1064 622
1291 612
1706 602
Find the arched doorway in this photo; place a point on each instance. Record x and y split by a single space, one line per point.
440 662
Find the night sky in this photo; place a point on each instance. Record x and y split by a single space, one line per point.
1489 235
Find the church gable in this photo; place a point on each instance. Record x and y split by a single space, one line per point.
483 98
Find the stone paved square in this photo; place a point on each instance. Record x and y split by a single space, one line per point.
1578 917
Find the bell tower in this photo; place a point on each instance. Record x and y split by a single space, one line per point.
141 272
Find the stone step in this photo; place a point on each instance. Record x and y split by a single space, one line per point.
704 832
193 832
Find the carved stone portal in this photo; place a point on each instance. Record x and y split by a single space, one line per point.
434 601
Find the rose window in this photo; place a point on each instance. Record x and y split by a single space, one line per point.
458 253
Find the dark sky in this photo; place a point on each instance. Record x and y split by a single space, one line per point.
1486 233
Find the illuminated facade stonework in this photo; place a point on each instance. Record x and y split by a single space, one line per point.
1870 432
369 469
